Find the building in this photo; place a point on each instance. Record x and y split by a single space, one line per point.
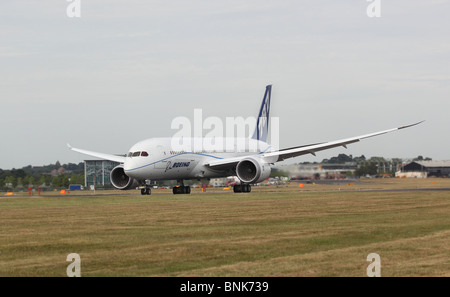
317 171
423 169
224 182
97 172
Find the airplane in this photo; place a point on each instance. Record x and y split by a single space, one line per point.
155 159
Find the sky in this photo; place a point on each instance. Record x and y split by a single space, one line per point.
123 70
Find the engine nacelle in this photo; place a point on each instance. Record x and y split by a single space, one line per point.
122 181
252 170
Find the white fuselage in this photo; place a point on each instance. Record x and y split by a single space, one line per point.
164 159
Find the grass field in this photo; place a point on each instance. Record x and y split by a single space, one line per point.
286 231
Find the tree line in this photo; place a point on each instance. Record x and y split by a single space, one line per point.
46 177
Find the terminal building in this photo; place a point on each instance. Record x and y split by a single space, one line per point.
97 172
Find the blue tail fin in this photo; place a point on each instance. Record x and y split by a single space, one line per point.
262 124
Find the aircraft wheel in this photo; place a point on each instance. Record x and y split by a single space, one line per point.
146 191
242 188
182 190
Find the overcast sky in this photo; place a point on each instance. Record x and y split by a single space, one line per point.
125 69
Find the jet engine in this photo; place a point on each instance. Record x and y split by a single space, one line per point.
252 170
122 181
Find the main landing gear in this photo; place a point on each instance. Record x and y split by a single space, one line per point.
181 189
243 188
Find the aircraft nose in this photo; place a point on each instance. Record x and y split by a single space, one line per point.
131 165
127 165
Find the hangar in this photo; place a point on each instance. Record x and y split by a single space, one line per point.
425 169
97 172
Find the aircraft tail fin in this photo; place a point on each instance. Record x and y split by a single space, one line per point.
262 123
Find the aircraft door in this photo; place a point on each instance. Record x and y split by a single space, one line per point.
161 162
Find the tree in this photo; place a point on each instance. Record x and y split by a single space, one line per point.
77 179
19 182
377 160
368 168
42 181
359 160
11 181
61 181
340 159
29 180
421 158
18 173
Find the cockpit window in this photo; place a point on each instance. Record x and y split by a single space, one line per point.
137 154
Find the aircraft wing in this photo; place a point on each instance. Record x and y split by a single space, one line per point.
115 158
272 157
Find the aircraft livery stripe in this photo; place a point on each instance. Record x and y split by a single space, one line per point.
171 158
265 150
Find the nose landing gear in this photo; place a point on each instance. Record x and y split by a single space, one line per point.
146 190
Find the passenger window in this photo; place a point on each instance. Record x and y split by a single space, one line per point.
144 154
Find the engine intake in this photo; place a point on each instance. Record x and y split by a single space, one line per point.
252 170
122 181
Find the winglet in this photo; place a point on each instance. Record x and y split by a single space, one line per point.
69 146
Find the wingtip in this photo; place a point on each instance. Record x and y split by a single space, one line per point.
69 146
407 126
